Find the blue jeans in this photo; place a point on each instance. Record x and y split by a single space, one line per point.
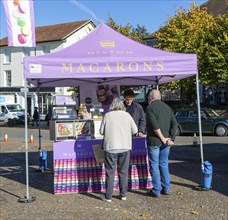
159 168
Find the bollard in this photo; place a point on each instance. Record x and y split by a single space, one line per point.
207 175
43 160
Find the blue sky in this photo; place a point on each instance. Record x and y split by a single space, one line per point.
151 13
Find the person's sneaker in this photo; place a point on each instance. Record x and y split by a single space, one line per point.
123 198
103 198
165 192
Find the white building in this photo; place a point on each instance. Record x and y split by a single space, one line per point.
48 39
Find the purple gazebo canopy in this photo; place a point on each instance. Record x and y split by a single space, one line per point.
104 56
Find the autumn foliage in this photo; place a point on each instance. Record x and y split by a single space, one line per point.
199 32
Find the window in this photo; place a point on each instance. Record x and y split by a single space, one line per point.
15 108
46 49
8 78
28 83
26 51
4 110
7 56
203 114
211 113
182 114
193 114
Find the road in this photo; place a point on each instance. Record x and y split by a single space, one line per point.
17 134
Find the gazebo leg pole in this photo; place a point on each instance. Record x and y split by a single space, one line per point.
199 119
27 198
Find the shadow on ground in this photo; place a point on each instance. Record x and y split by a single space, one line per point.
185 163
12 166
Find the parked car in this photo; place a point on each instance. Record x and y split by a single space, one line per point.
14 112
211 122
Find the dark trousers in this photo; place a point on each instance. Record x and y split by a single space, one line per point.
121 162
35 121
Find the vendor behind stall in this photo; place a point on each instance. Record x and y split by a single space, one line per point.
48 116
136 111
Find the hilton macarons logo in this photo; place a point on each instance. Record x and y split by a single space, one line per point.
107 47
107 44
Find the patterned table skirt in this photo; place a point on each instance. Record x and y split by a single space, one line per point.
86 175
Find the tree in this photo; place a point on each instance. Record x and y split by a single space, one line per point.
136 34
74 90
199 32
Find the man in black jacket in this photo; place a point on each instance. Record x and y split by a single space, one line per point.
35 117
136 111
161 129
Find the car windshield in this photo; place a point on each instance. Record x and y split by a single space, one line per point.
14 108
181 114
212 113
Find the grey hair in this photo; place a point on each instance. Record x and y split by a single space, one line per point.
117 104
155 94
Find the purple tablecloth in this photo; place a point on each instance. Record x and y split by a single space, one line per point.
77 149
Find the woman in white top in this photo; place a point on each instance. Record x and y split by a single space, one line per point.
118 127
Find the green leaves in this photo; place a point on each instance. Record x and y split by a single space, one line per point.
136 34
197 31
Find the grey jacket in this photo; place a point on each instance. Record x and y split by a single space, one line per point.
118 128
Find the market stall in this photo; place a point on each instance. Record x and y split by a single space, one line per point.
77 148
76 169
103 58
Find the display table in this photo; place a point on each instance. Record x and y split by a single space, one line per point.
76 170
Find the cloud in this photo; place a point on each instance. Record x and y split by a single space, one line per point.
86 10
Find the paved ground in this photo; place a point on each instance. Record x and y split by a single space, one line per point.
183 203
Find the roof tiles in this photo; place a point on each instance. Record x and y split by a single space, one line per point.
54 32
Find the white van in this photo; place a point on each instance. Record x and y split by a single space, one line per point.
12 114
3 119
